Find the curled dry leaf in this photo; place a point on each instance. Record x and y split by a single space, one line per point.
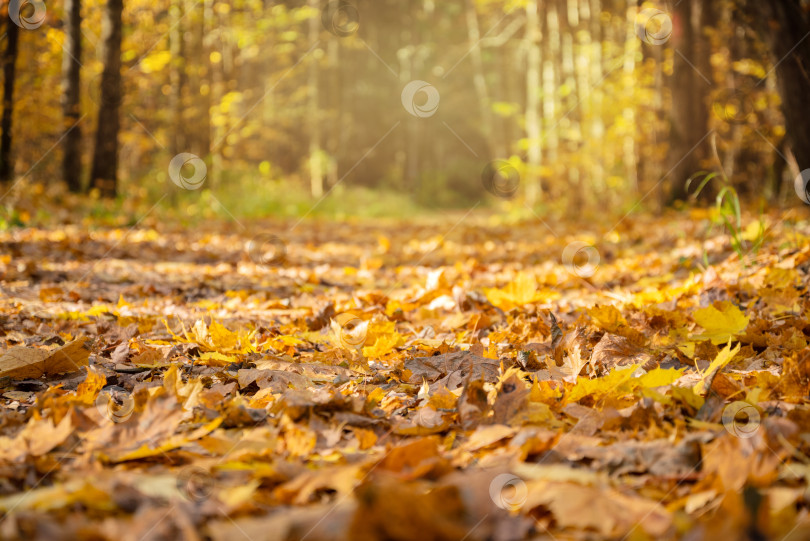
25 362
614 351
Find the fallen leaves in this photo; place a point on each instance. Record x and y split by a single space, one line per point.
616 351
353 395
451 369
720 362
519 292
607 512
25 362
217 338
36 439
721 323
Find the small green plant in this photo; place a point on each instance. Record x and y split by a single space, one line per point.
729 212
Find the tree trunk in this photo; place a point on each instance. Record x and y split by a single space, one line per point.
177 77
315 154
335 105
594 96
533 87
630 144
105 158
571 103
689 116
216 38
788 41
199 121
550 52
9 67
495 147
71 74
652 127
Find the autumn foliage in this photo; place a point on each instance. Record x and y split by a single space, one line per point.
401 382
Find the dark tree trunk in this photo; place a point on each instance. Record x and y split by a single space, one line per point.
9 68
178 142
689 118
198 58
105 158
785 26
71 73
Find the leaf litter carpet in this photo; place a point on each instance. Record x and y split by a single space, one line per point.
438 380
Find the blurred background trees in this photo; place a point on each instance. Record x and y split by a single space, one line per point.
591 103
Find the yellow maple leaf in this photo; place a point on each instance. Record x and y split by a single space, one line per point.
214 358
378 328
607 317
600 387
221 337
722 359
721 324
216 337
187 393
688 396
384 344
660 377
520 291
782 278
88 390
284 342
174 442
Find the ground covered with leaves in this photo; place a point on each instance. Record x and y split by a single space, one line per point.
451 379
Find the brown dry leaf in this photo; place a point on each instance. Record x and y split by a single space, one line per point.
657 457
24 362
473 404
462 363
617 351
732 463
40 436
316 522
418 458
302 489
795 380
510 407
390 509
277 380
603 510
485 436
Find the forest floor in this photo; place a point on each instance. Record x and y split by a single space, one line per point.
446 379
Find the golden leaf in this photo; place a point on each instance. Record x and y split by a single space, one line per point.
720 323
